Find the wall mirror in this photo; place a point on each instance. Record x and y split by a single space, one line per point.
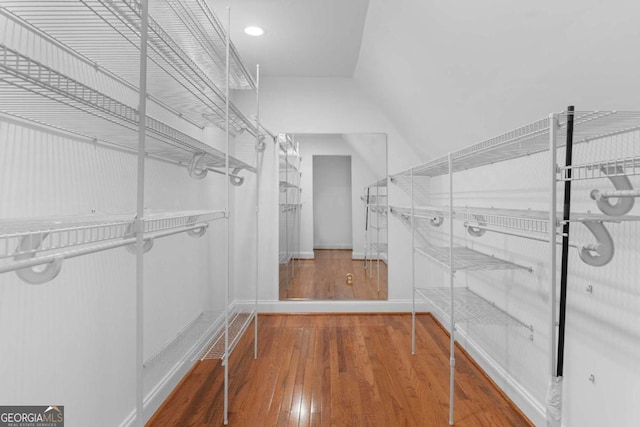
333 216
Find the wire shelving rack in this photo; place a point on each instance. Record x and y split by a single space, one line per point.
557 131
159 73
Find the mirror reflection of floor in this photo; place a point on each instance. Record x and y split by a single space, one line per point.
325 277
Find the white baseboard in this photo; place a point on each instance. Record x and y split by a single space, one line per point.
331 306
154 398
305 255
334 246
528 404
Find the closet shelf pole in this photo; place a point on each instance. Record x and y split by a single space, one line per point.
452 345
139 228
260 146
228 231
553 120
413 269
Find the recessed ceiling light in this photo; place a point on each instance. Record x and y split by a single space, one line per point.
254 31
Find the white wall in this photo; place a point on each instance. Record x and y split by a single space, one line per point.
332 226
448 74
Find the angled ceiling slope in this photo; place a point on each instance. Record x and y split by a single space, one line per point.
303 38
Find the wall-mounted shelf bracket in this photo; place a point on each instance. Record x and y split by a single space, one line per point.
624 193
477 231
260 144
148 243
195 169
236 180
601 253
36 275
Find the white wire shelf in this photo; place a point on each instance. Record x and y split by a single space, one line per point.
530 139
284 185
379 247
467 259
626 166
36 92
284 207
187 61
284 258
286 164
469 307
187 345
525 220
238 324
25 243
380 183
380 199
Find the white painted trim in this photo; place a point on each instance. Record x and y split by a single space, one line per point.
357 255
334 306
163 389
306 255
339 246
527 403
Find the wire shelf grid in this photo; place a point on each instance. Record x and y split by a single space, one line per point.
187 344
238 324
532 221
20 238
469 307
107 34
530 139
627 166
37 92
467 259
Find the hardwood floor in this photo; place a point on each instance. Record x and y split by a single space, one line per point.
339 370
325 278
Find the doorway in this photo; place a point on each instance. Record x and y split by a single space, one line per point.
332 225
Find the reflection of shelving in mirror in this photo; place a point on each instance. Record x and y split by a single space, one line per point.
290 207
331 239
376 203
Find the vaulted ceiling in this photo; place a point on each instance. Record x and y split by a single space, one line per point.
449 74
303 38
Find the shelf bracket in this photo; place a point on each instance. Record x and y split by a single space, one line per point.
147 245
260 144
36 275
477 231
196 232
624 193
236 180
194 168
602 252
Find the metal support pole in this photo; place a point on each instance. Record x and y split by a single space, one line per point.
378 232
565 242
452 341
228 239
413 269
258 151
553 121
139 224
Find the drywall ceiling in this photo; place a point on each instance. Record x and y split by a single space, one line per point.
452 73
303 38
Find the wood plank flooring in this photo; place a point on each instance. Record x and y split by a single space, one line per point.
325 278
339 370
